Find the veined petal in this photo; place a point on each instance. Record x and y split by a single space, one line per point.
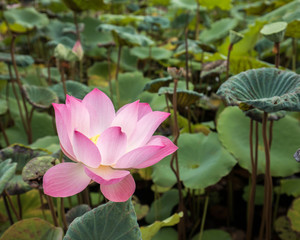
127 117
65 179
61 118
85 150
112 144
101 111
79 116
169 148
145 128
121 191
144 108
106 175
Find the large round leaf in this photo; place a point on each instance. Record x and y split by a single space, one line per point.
233 129
82 5
21 60
267 89
202 162
21 20
40 97
7 171
154 85
155 53
110 221
33 228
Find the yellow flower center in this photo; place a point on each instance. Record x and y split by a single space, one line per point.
95 138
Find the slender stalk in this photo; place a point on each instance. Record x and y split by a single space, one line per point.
186 58
270 133
203 217
189 119
52 210
42 204
49 71
85 196
76 25
109 73
81 70
117 75
181 225
230 199
149 61
4 134
62 76
12 205
197 20
7 209
228 60
277 57
268 180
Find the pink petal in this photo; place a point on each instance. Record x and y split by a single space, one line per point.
121 191
144 108
79 116
145 129
106 175
65 179
112 144
85 150
127 117
62 118
101 111
169 148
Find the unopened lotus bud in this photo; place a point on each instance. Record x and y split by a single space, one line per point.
77 49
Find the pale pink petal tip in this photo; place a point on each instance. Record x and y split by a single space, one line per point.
119 192
65 179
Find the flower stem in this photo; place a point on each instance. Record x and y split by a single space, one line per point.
63 215
7 209
62 76
109 73
52 210
12 205
42 204
117 75
186 58
277 57
228 60
4 134
203 217
19 205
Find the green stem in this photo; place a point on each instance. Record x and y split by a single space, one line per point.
186 58
12 205
42 204
4 134
52 210
81 70
109 74
203 217
19 205
62 76
277 57
63 215
228 60
7 209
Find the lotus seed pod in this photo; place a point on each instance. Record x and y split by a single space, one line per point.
274 31
235 37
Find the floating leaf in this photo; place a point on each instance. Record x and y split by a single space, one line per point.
149 231
77 211
294 215
184 97
267 89
40 97
155 53
154 85
21 60
7 171
285 141
74 89
21 20
283 228
35 169
289 187
33 228
161 208
140 210
109 221
218 30
202 162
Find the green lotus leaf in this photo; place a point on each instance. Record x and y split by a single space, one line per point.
167 233
83 5
267 89
77 211
218 30
33 228
21 60
274 31
49 143
148 232
202 162
259 194
35 169
215 68
140 210
207 47
294 215
40 97
293 29
64 53
283 228
7 171
22 20
193 48
20 155
161 208
154 85
155 53
155 22
75 89
121 19
113 219
126 35
234 136
3 106
184 97
289 187
54 74
128 61
184 4
211 4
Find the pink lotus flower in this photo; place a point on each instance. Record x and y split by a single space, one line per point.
104 145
